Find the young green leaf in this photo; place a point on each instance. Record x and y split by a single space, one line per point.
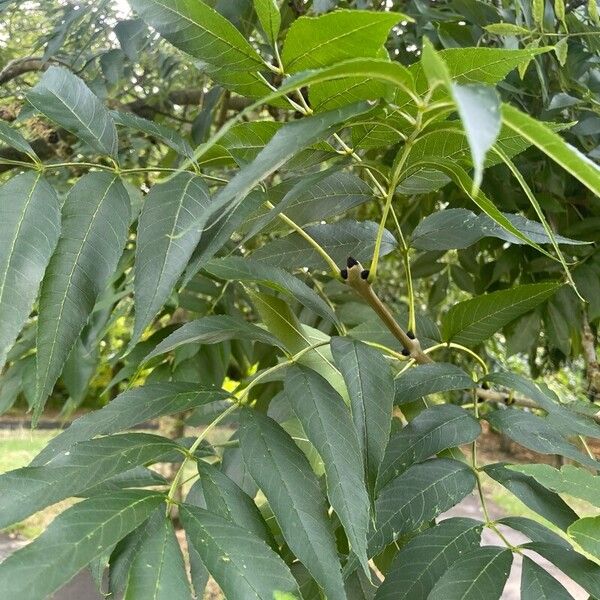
423 380
269 17
75 538
66 100
472 321
284 475
129 409
569 479
237 268
538 584
433 430
158 570
480 573
328 425
551 144
544 502
29 230
241 563
169 228
416 496
424 559
371 390
29 489
95 220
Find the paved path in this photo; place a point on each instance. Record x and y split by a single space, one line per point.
82 588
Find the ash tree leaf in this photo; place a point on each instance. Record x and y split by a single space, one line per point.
196 28
535 531
269 17
535 496
13 138
95 221
424 559
537 434
131 34
169 228
480 573
416 496
167 135
328 425
237 268
158 570
578 568
224 497
245 140
551 144
538 584
66 100
569 479
431 431
371 390
212 329
586 532
75 538
313 42
340 240
432 378
283 473
475 320
29 230
129 409
241 563
29 489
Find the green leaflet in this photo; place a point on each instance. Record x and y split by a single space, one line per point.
569 479
586 532
544 502
167 135
480 573
212 329
131 408
538 584
13 138
268 14
284 475
29 230
241 563
570 159
328 425
237 268
66 100
169 228
537 434
95 220
158 570
432 378
75 538
431 431
416 496
371 390
472 321
425 558
29 489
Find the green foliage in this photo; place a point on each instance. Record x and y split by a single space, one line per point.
268 220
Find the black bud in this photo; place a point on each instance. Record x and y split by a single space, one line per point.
480 400
405 352
351 262
344 273
364 274
53 137
508 400
410 334
485 385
